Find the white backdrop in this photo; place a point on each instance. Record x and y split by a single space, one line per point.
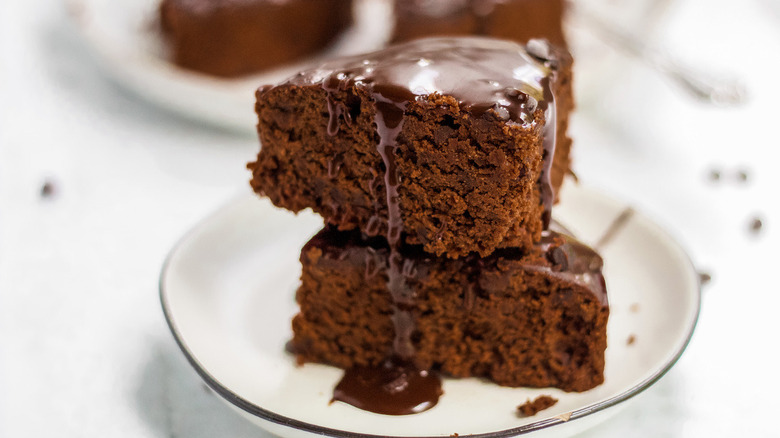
84 350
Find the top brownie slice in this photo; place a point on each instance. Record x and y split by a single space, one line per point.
457 144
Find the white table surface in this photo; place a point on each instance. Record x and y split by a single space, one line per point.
84 349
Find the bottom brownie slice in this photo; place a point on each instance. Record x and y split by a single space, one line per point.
536 318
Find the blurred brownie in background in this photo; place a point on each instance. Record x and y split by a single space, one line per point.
231 38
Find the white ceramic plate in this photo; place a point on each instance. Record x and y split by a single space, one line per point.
124 35
227 291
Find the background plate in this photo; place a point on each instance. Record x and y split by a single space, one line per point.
125 37
228 288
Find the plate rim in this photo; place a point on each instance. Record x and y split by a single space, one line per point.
264 414
233 94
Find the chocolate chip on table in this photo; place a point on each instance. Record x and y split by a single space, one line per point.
48 189
714 175
756 225
739 175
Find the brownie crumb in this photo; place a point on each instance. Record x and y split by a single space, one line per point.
48 189
531 408
704 278
631 340
756 224
634 308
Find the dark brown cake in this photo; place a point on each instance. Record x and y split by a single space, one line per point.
517 20
533 407
535 318
458 144
237 37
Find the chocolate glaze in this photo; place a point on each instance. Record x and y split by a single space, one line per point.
485 75
390 105
390 389
548 140
573 261
557 254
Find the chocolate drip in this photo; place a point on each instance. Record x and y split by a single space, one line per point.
335 111
390 106
548 141
573 261
390 389
483 74
397 387
334 166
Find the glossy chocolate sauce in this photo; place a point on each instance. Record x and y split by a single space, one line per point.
572 261
389 122
390 389
489 78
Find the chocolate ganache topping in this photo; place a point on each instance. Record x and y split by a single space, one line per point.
482 73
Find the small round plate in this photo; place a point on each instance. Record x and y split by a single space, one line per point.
228 287
125 36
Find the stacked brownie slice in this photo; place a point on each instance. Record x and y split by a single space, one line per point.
231 38
435 165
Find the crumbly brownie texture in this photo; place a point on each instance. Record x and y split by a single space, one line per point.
445 141
517 20
533 319
237 37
